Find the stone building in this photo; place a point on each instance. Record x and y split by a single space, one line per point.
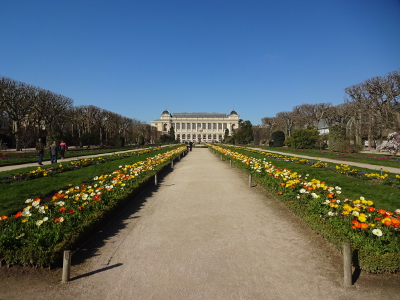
198 127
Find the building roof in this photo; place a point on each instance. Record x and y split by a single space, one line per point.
199 115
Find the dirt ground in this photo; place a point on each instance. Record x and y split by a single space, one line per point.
202 233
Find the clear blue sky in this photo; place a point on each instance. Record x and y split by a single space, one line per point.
139 57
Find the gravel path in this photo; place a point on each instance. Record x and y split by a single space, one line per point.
203 234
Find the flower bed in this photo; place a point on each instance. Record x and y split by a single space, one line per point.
69 166
374 233
39 233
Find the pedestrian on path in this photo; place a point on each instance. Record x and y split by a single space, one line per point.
54 152
40 150
63 148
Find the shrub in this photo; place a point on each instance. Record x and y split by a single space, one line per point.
305 138
278 137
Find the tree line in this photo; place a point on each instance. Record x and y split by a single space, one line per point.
29 112
370 111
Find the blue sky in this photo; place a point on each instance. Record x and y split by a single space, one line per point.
139 57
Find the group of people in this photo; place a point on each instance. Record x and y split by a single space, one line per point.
54 150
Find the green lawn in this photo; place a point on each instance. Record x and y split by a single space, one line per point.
367 158
14 194
8 158
385 197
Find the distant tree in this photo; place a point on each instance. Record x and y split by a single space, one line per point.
171 134
227 138
392 143
278 138
244 135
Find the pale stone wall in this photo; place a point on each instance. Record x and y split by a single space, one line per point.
198 127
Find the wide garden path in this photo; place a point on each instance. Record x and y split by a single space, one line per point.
202 233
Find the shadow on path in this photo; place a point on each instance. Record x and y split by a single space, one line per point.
97 271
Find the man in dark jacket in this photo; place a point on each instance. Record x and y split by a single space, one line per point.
40 150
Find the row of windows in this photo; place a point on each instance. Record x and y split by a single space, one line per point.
199 136
199 125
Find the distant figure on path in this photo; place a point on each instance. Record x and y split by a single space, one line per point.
63 148
40 150
190 145
54 152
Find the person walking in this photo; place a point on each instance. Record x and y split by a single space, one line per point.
40 150
63 148
54 152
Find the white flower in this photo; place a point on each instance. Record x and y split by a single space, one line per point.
26 213
327 201
377 232
28 200
60 203
331 213
337 201
302 191
338 192
39 222
362 198
77 187
355 213
35 203
96 178
45 219
85 196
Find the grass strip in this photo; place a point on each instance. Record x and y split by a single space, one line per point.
367 158
17 158
384 196
14 194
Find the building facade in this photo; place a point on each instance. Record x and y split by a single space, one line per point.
198 127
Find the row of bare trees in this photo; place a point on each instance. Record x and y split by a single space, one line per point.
29 112
370 111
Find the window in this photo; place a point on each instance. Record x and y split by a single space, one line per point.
188 125
199 136
219 125
215 136
220 137
209 136
225 127
198 125
193 125
183 136
178 125
183 126
204 126
214 125
204 136
173 125
178 136
209 126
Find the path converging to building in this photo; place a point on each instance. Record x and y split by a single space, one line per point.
203 233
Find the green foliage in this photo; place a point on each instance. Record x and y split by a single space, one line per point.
244 135
349 146
305 138
289 142
278 137
337 135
